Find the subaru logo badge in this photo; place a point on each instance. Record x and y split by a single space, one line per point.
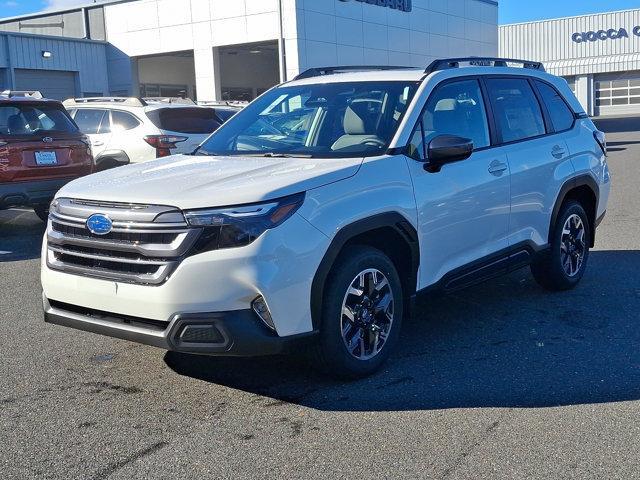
47 140
99 224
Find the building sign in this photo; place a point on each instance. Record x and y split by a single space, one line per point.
610 34
402 5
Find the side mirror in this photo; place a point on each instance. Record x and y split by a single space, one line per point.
445 149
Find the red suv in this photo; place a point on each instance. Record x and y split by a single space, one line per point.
41 149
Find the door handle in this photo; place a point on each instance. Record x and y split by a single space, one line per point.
497 168
97 143
558 151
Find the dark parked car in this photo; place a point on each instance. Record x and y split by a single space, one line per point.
41 149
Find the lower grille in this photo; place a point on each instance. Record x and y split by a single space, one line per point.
138 249
107 265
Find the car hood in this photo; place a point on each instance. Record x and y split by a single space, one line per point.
194 181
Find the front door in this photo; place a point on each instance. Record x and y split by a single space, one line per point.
463 210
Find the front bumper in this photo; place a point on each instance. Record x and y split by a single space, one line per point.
278 266
30 193
236 333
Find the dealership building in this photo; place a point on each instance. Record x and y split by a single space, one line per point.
599 55
229 49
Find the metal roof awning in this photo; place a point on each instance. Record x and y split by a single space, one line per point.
589 65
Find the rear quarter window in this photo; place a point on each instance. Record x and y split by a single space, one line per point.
122 121
561 115
185 120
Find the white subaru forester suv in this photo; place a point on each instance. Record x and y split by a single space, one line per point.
313 218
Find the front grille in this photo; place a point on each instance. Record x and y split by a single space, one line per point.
139 249
125 237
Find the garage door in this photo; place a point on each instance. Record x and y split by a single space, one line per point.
618 93
58 85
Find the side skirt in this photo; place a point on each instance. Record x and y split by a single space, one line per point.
494 265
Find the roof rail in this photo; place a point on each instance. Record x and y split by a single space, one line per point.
22 93
446 63
133 101
172 100
320 71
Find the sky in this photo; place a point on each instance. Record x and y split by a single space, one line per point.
511 11
10 8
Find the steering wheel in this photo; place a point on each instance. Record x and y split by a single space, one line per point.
374 142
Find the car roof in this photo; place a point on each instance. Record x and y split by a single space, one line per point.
453 67
413 74
399 75
29 100
387 74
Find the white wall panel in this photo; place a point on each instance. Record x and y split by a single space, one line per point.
550 41
316 32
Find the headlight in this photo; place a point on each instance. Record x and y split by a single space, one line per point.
239 226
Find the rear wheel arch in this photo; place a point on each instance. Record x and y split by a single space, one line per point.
391 233
111 159
583 189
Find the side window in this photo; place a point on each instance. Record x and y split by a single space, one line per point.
455 108
122 121
561 116
89 120
516 109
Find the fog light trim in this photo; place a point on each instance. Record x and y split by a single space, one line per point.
259 306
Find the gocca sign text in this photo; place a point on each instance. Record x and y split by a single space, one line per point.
610 34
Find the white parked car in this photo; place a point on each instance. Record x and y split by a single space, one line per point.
316 214
134 130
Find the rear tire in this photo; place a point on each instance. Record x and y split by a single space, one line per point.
361 314
42 211
564 265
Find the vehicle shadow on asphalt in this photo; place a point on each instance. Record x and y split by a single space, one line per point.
506 343
21 233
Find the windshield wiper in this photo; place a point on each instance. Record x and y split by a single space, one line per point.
204 153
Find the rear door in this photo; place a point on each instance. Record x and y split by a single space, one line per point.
39 141
195 124
96 124
538 159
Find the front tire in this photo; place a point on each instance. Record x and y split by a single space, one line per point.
564 265
361 313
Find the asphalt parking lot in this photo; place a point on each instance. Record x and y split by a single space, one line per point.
502 380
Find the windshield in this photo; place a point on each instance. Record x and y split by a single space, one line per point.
326 120
25 119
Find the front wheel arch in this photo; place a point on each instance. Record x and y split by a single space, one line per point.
391 233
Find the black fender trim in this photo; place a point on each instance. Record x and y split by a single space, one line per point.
569 185
393 220
118 156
